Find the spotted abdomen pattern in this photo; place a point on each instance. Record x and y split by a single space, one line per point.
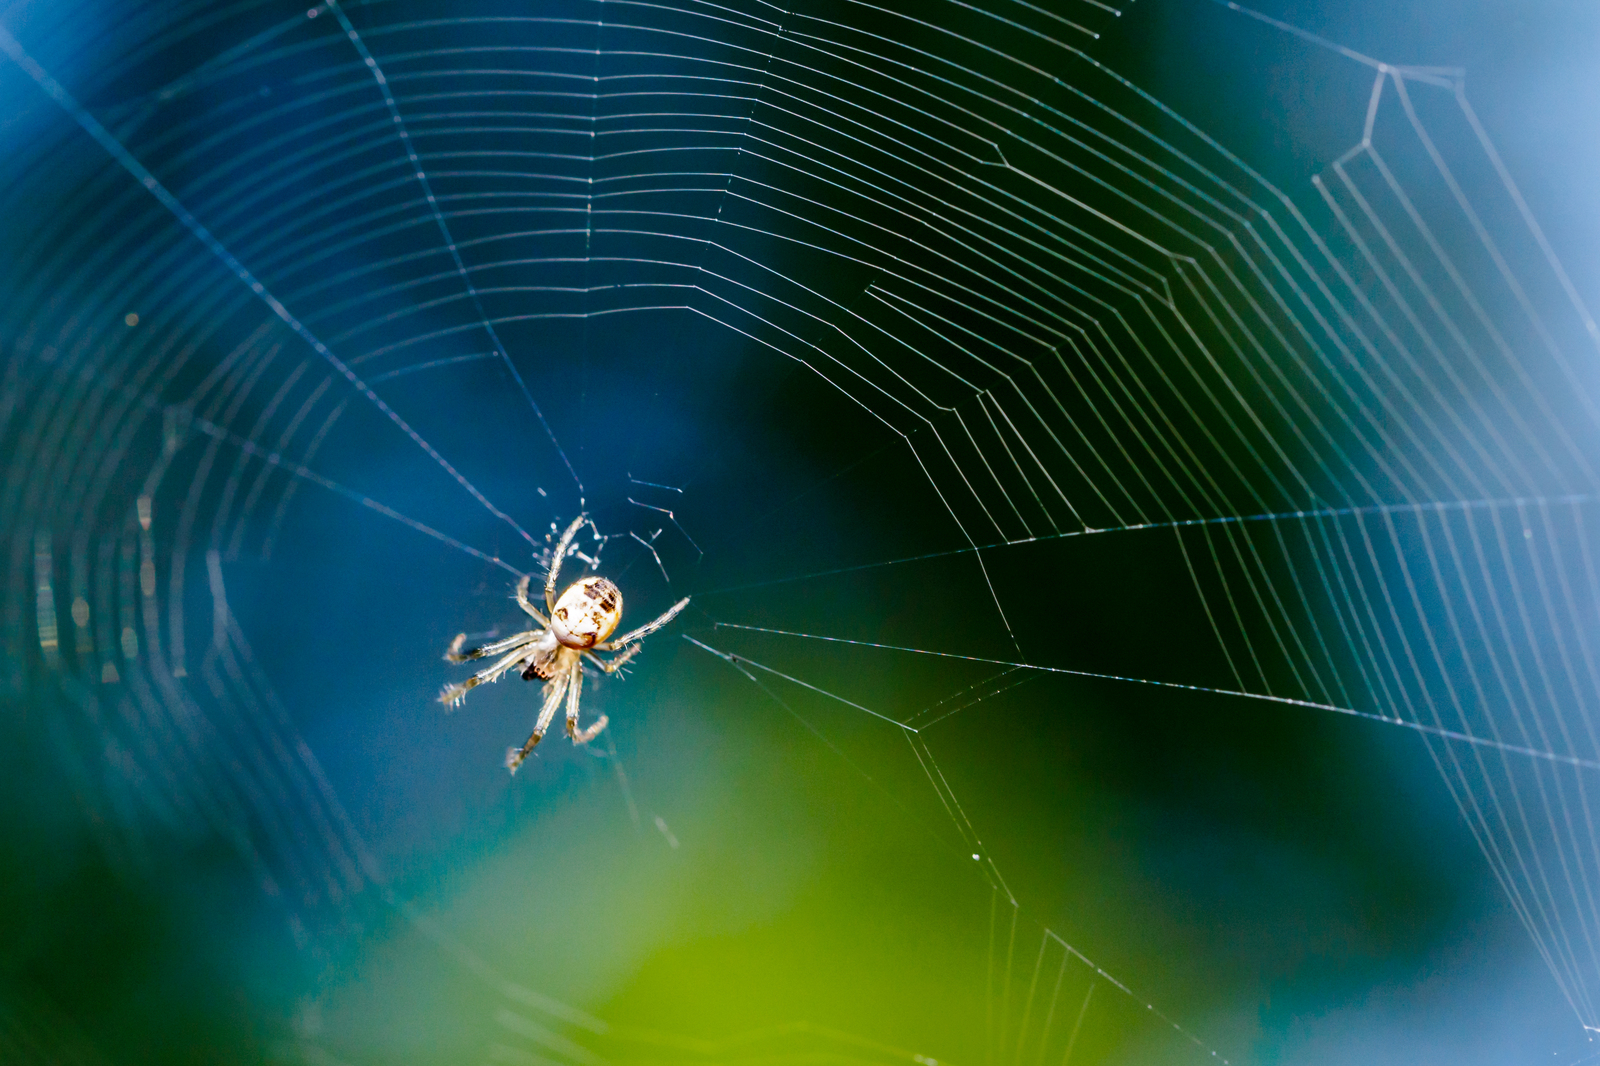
587 613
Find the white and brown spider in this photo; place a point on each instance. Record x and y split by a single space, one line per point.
579 623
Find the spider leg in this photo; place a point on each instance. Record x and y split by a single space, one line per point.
456 654
585 735
555 561
616 664
644 630
554 689
454 694
580 736
523 602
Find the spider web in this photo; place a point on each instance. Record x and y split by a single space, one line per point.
379 255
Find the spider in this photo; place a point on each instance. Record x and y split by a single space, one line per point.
579 623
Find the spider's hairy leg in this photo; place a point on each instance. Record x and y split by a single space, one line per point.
554 689
646 629
525 603
580 736
555 561
583 736
616 664
454 694
456 654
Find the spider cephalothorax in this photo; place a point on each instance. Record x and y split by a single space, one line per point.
580 622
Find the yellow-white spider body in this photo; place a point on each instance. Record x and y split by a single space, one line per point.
580 622
586 614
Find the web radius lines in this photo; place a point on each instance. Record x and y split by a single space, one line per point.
368 864
1527 214
444 228
1027 116
1129 993
1205 605
1510 693
1373 387
1027 1003
265 751
968 180
1592 926
1005 985
1420 727
983 457
1382 457
736 659
586 341
966 535
744 136
1343 695
1413 274
1475 305
1433 650
929 221
1387 331
1379 457
899 303
924 220
1270 471
1456 783
738 662
308 763
963 824
1584 646
1493 249
958 816
1498 613
1199 480
1050 1015
1072 1040
117 151
1277 194
985 394
1289 516
1286 418
238 793
1037 10
1166 441
1049 229
272 458
1305 35
966 839
1573 613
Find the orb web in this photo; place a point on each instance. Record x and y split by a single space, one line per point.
1357 419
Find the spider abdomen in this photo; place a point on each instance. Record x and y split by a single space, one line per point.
587 613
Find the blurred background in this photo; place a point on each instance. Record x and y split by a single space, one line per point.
1130 462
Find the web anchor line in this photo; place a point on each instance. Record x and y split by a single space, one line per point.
1429 507
1447 734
